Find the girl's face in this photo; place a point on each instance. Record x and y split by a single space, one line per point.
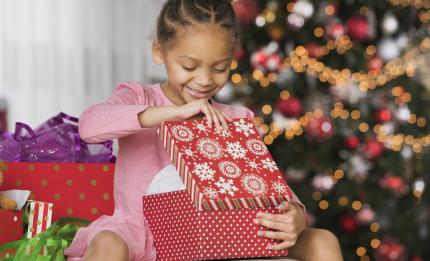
197 62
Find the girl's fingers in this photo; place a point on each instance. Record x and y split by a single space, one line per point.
282 246
226 116
275 225
279 235
222 118
215 116
206 111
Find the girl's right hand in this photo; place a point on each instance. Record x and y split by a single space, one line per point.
204 106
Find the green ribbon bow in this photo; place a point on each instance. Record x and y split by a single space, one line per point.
48 245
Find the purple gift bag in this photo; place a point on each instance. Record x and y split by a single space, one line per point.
55 140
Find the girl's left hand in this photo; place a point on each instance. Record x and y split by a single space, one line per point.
287 225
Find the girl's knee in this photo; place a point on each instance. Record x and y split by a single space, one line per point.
321 239
106 242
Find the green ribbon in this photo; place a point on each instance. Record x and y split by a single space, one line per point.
52 242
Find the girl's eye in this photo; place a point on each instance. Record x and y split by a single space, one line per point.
188 68
220 70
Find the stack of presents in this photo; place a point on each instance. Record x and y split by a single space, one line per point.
228 175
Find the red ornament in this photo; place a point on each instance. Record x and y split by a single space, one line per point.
373 149
292 107
273 62
358 28
258 59
319 129
335 29
239 54
383 115
375 64
352 142
348 223
390 250
246 11
314 50
394 183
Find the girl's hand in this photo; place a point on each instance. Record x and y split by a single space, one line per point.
213 115
287 225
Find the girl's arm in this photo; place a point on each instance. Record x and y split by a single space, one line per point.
132 108
118 116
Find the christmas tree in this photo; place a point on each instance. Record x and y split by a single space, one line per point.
338 94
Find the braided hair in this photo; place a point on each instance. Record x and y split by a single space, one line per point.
177 14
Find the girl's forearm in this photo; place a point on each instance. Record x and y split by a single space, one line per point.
154 116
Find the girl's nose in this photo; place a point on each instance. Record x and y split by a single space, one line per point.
204 79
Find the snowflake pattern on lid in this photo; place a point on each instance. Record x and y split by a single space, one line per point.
224 168
254 184
182 133
209 148
229 169
256 146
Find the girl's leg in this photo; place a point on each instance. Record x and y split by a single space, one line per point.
316 244
106 245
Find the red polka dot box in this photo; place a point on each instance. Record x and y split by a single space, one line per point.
83 190
229 177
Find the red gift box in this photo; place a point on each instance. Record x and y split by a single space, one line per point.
229 177
11 228
77 190
39 217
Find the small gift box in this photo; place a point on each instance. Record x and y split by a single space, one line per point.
11 227
229 177
39 217
11 223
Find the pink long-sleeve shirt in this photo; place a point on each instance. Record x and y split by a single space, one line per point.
140 157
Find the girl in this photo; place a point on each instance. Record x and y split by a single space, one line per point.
195 41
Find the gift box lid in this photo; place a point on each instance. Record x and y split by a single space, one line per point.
225 169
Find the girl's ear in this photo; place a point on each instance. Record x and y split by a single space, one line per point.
157 54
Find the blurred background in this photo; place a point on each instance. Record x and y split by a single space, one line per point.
341 92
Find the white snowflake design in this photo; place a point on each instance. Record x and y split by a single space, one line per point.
236 150
256 146
201 127
188 152
279 187
182 133
203 171
253 165
254 184
210 193
223 133
269 164
245 128
226 186
229 169
210 148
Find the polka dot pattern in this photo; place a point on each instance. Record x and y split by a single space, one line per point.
10 226
76 189
183 233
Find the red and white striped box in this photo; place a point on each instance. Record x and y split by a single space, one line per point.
229 177
39 218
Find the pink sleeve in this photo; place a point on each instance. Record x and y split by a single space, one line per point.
117 117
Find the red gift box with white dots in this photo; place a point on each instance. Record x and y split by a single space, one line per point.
229 177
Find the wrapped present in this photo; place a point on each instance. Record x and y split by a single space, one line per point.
229 177
11 221
83 190
39 217
11 226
